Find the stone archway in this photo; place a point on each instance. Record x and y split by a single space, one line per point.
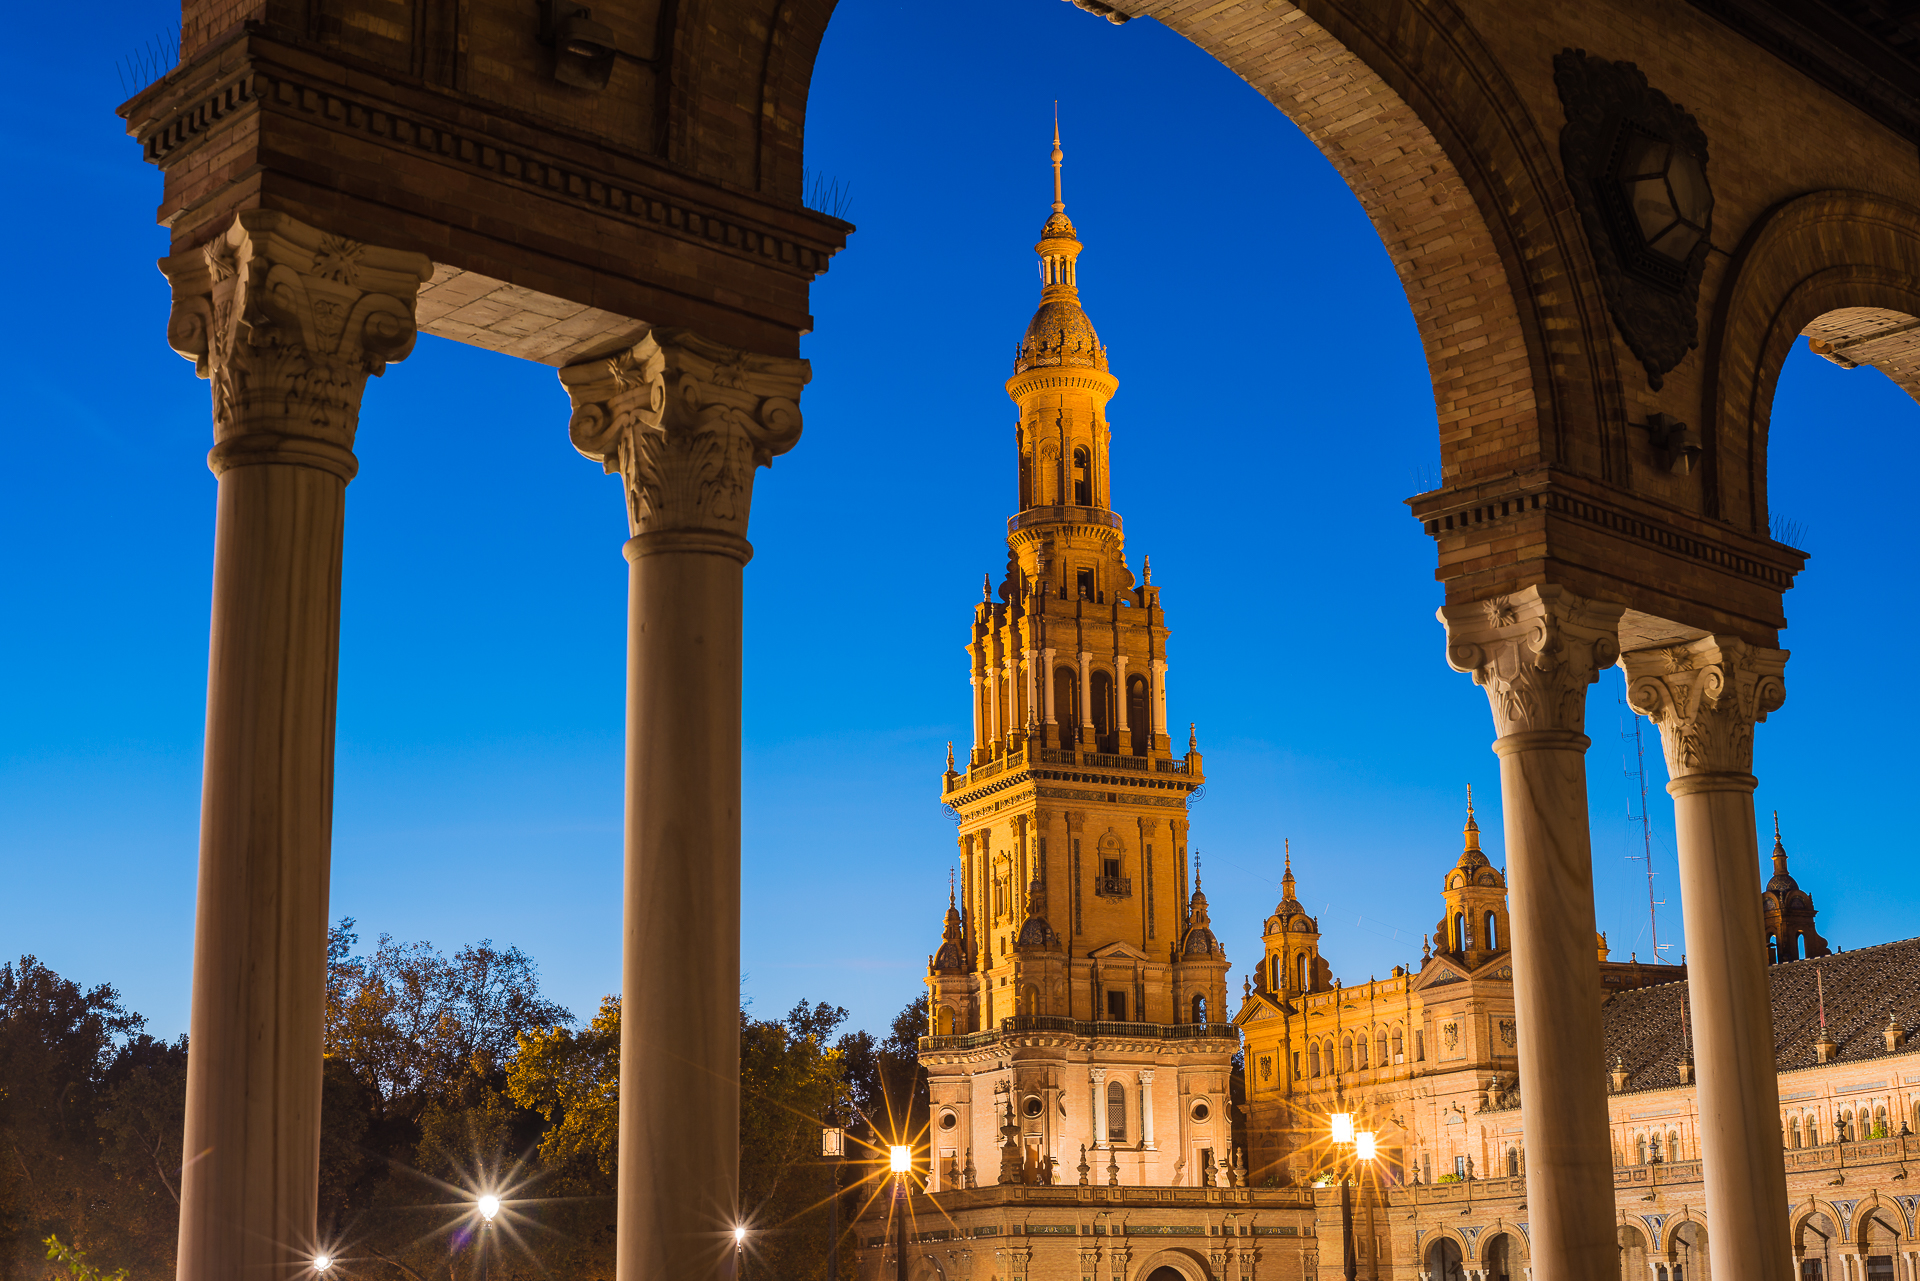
1633 1253
1444 1261
1173 1265
1501 1259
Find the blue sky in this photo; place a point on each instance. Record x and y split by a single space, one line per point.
1273 413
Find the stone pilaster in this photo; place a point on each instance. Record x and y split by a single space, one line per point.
1707 695
286 322
684 423
1535 652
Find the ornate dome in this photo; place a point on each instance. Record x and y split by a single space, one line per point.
1060 334
952 956
1200 940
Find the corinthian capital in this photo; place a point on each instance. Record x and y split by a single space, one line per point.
287 321
1534 652
685 422
1706 696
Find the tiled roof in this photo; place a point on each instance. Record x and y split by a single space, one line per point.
1644 1031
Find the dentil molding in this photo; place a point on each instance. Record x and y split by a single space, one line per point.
1706 696
685 421
1534 651
287 321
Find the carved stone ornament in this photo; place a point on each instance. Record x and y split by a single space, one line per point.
1706 696
287 321
1636 165
1534 652
684 422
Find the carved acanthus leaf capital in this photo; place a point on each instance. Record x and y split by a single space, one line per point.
1706 696
684 422
1534 651
287 321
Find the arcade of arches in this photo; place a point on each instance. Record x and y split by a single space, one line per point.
1612 220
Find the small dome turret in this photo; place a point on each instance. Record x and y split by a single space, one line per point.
952 956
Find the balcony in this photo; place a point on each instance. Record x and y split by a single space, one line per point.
1083 1028
1113 886
1062 516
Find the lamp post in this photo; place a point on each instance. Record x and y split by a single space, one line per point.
1355 1147
901 1160
489 1206
833 1146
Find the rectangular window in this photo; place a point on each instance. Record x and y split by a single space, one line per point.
1116 1007
1085 579
1078 927
1460 1166
1419 1047
1149 874
1110 868
1296 1065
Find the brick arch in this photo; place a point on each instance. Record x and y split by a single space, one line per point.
1188 1263
1434 140
1830 253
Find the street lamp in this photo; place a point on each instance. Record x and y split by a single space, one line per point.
833 1146
1362 1145
322 1262
488 1205
900 1160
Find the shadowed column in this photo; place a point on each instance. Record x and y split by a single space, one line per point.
1535 652
287 322
684 422
1706 696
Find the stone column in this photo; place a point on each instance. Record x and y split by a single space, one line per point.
1033 693
684 422
1159 700
1009 669
1706 696
286 321
1120 692
1146 1109
1535 652
973 681
1099 1076
1086 697
1046 680
990 687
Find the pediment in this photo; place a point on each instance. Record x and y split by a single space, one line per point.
1127 950
1258 1008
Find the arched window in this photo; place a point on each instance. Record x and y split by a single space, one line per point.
944 1027
1399 1046
1640 1148
1459 931
1673 1145
1360 1052
1102 702
1513 1163
1332 1062
1419 1046
1030 999
1116 1112
1880 1123
1139 722
1346 1053
1066 705
1302 985
1082 478
1492 933
1313 1059
1199 1008
1793 1132
1380 1048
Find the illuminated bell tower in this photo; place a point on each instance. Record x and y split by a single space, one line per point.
1474 929
1091 1009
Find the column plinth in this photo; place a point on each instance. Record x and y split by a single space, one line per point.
684 422
286 322
1707 696
1535 652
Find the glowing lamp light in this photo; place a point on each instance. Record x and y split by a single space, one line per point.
902 1159
489 1206
739 1235
1363 1145
321 1262
1342 1127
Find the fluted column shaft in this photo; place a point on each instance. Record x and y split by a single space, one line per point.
684 422
286 322
1099 1079
1707 696
1535 652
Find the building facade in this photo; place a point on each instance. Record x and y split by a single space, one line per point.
1088 1118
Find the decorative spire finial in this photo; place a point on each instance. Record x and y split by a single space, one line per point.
986 588
949 756
1288 846
1059 205
950 894
1196 871
1193 736
1147 567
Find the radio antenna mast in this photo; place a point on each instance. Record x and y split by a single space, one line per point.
1645 819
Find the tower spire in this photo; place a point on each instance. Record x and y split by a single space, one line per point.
1059 205
1472 830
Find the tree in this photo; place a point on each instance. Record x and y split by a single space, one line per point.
573 1080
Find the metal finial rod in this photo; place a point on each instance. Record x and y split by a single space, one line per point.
1059 205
